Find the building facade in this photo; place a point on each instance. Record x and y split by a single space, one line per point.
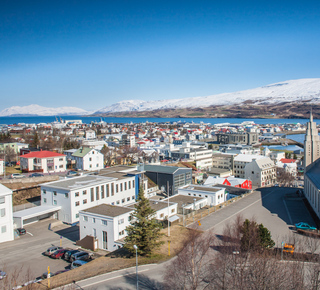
6 217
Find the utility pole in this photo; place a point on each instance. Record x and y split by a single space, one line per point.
168 209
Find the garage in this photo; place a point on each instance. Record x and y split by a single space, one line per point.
34 214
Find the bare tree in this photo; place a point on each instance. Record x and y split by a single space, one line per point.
190 268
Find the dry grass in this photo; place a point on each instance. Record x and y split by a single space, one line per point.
111 262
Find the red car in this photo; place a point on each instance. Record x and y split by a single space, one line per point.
58 254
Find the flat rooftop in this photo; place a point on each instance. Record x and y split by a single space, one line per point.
155 204
108 210
79 182
184 199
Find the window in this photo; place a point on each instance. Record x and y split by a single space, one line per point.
2 200
76 194
54 193
117 188
125 186
121 187
123 200
128 198
60 166
44 191
2 212
60 159
92 194
85 218
118 201
121 221
44 200
90 159
112 189
84 192
107 190
94 220
66 195
97 193
3 229
161 215
102 191
129 184
104 222
77 203
133 197
84 201
54 202
132 183
77 215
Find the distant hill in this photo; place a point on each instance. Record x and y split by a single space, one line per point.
36 110
260 101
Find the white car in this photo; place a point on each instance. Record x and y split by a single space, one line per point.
2 275
17 175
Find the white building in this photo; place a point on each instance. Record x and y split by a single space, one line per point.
44 161
6 218
214 195
90 135
108 223
88 159
261 172
240 162
80 193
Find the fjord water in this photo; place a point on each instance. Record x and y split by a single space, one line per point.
88 120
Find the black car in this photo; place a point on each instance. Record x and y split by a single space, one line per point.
36 174
21 231
68 254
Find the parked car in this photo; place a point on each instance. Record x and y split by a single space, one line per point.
17 175
68 254
81 256
73 173
36 174
21 231
304 226
51 250
59 254
2 274
77 263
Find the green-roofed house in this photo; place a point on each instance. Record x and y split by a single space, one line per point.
88 159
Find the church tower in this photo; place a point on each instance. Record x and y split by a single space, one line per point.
311 143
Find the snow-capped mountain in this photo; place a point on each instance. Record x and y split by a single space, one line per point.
288 91
36 110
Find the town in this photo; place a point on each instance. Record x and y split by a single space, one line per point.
87 178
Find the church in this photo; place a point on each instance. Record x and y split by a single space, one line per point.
312 166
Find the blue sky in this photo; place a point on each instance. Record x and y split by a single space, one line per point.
90 54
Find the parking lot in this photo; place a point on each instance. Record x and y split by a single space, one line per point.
24 254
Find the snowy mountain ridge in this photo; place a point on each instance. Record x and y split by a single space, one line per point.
289 91
36 110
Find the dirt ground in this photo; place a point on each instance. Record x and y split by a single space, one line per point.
114 261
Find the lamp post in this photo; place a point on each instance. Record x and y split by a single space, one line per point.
136 248
183 212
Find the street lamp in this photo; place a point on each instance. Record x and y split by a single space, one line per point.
136 248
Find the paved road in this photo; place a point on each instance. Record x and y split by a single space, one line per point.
277 208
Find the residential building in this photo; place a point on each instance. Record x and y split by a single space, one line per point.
261 172
223 161
43 161
6 219
247 138
88 159
16 146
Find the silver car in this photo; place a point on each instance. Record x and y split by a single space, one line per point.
51 250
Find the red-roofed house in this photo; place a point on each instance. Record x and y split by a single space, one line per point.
285 160
43 161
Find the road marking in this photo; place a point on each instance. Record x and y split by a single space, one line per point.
30 234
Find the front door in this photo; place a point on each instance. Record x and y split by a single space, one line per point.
105 240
